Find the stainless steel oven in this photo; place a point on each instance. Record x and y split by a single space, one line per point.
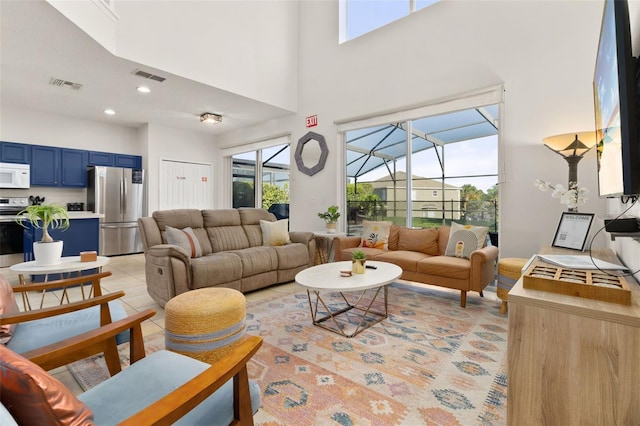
11 246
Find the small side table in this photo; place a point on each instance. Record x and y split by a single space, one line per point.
324 246
67 266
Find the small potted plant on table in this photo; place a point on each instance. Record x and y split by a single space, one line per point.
358 259
45 217
330 217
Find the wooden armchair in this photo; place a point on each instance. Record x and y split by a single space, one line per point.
160 389
44 327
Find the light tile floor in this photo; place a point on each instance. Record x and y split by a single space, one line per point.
128 275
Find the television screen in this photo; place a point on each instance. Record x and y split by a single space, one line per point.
618 147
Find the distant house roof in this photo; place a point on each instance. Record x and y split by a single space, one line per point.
370 148
417 181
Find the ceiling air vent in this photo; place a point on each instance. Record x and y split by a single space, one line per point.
64 83
148 75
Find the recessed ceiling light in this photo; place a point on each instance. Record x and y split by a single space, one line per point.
143 89
109 112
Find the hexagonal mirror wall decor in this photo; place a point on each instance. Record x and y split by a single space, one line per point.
311 153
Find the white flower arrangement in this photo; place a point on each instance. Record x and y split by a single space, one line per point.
573 197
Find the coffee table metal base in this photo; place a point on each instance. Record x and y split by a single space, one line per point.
362 306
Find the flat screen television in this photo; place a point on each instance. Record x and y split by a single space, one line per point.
616 105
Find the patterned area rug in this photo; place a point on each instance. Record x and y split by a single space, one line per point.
430 363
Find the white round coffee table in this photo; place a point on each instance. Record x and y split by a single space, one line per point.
327 278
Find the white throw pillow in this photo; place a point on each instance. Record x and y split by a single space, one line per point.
464 239
375 234
275 233
184 238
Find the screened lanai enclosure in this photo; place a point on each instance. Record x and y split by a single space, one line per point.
425 172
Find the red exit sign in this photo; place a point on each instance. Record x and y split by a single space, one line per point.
312 120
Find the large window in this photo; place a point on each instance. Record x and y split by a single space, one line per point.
363 16
446 170
260 178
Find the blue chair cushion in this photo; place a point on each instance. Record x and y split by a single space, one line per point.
153 377
35 334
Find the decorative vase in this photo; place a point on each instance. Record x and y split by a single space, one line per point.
331 228
47 254
357 266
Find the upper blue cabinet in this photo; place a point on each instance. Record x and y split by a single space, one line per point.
51 166
11 152
97 158
54 166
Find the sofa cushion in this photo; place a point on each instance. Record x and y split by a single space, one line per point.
371 253
445 266
443 238
33 397
151 380
407 260
292 255
250 219
215 269
8 306
421 240
256 260
224 230
184 238
375 234
394 236
464 239
275 233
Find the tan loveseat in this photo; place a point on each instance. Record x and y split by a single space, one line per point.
421 255
231 252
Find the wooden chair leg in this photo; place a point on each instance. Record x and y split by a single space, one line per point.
463 298
503 307
481 294
243 414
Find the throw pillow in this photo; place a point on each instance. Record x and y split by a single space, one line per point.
420 240
463 239
33 397
184 238
8 305
275 233
375 234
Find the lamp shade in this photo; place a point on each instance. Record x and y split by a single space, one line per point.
571 144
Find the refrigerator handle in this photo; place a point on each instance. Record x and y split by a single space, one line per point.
124 195
121 196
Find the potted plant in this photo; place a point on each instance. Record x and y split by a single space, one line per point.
358 259
330 217
45 217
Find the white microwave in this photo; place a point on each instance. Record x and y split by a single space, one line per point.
14 175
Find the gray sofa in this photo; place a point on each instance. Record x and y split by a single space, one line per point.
233 254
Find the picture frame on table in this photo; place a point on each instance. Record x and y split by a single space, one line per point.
573 230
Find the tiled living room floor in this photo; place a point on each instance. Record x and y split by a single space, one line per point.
128 275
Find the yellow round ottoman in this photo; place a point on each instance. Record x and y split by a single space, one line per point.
509 271
205 324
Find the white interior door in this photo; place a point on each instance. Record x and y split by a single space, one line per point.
185 185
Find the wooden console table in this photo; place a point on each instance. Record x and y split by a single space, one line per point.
573 361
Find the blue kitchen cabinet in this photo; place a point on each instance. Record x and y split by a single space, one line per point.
128 161
65 167
11 152
45 165
73 168
82 235
97 158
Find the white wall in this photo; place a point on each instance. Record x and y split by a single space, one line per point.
544 59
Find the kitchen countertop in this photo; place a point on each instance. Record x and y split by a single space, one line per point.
72 215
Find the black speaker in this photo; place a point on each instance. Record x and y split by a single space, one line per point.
629 224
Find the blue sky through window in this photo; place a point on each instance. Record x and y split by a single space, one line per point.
364 16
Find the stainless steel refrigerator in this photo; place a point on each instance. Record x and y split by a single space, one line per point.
118 194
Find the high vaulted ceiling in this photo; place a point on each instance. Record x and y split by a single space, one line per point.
38 44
